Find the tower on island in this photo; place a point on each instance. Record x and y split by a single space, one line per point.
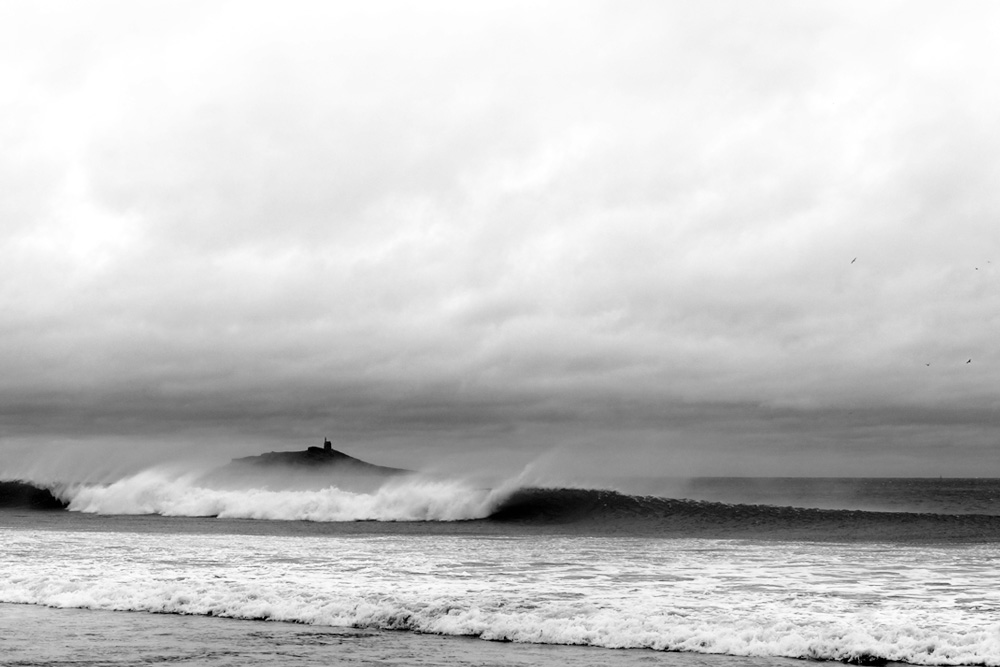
327 445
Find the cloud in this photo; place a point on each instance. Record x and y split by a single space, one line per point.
463 227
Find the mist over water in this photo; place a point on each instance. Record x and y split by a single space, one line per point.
109 459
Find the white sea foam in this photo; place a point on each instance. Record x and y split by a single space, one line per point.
410 498
932 606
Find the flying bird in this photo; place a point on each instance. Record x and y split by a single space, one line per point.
854 260
969 361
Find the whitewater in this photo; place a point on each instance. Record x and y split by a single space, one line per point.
409 499
654 578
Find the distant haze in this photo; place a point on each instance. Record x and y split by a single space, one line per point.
638 238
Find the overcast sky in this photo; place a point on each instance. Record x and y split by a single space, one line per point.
688 238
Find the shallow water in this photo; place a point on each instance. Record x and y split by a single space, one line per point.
36 636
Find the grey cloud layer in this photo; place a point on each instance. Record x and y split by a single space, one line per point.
461 220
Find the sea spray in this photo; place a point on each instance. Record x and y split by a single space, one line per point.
413 498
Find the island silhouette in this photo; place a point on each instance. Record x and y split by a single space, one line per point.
324 458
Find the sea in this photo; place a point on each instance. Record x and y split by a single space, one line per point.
160 568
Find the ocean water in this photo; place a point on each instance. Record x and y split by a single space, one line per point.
160 569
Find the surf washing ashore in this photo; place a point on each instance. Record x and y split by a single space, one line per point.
391 564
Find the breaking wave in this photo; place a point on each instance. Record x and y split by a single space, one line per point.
152 492
415 498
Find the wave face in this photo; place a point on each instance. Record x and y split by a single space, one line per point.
23 495
616 513
861 603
